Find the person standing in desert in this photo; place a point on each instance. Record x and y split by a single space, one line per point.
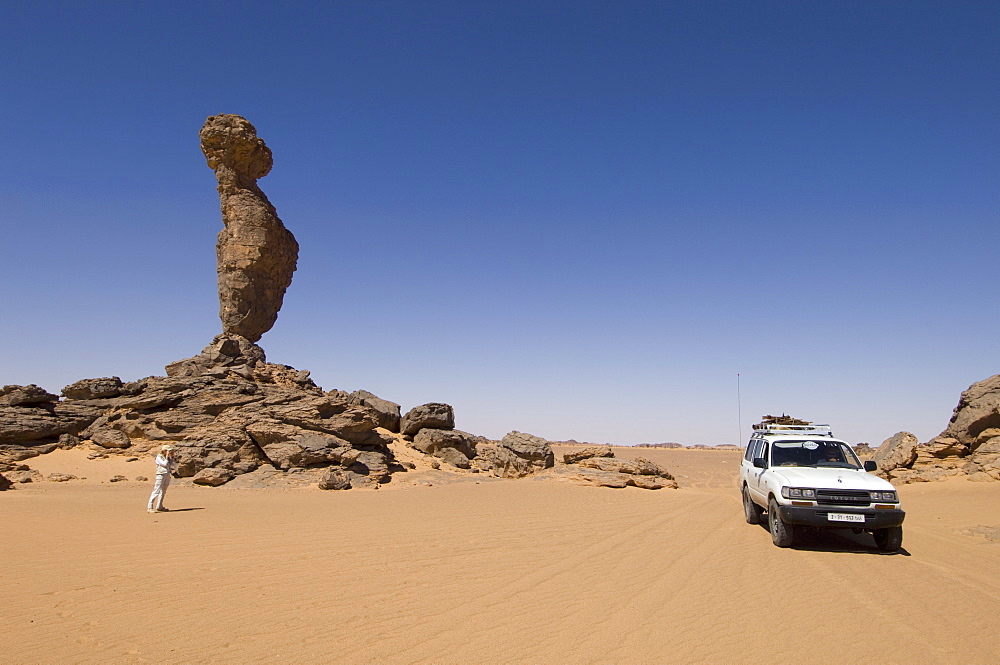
165 464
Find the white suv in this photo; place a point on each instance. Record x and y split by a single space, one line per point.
804 478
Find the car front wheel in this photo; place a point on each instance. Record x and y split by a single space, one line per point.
890 539
782 534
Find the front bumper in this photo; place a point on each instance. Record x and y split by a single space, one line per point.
875 518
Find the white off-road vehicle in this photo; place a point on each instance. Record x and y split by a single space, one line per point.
804 478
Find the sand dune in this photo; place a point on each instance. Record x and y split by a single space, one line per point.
523 571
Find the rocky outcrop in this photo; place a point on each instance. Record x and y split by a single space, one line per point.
515 456
226 411
101 388
984 461
969 445
256 253
433 415
608 471
30 395
33 422
5 483
863 450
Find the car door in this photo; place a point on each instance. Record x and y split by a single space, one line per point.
756 481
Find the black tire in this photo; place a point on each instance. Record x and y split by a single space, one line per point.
751 510
890 539
782 534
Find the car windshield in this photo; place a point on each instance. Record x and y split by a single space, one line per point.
814 453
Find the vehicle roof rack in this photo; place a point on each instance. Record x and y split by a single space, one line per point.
775 428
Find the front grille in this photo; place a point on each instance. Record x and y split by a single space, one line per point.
843 497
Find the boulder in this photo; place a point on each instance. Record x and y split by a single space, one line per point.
532 448
110 438
5 483
23 476
496 460
29 395
434 415
387 413
335 479
452 446
256 254
102 388
978 410
367 468
213 477
586 453
225 353
287 446
896 452
61 477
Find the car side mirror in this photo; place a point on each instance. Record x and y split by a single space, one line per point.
759 462
870 465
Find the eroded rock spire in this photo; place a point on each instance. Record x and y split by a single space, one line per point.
256 253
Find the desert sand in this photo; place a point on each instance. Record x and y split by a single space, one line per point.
480 570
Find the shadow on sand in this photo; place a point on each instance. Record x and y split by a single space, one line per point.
836 540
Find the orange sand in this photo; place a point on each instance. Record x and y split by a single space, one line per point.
523 571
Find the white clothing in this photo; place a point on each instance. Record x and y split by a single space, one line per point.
164 466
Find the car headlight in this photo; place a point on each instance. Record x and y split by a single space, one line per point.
883 496
798 493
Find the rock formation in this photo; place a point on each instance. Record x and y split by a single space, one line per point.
969 445
587 453
896 452
256 253
227 411
597 466
434 414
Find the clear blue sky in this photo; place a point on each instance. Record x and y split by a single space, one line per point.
577 219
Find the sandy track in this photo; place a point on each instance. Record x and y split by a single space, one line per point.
499 572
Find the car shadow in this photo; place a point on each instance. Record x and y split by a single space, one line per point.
836 540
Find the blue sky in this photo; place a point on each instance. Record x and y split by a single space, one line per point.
576 219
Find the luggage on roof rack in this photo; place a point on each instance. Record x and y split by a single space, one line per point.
778 428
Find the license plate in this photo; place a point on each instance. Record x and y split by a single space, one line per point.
844 517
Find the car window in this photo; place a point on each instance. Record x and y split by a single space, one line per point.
810 453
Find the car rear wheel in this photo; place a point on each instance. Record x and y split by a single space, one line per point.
751 510
782 534
890 539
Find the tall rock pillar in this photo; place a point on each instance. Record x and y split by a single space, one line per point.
256 253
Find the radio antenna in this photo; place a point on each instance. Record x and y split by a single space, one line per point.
739 411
